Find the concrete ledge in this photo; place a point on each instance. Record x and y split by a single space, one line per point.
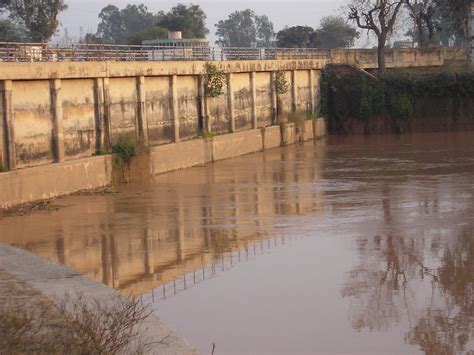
288 134
308 130
271 137
180 155
53 180
55 281
236 144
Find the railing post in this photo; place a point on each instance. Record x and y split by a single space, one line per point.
253 93
57 115
174 107
9 149
230 103
142 116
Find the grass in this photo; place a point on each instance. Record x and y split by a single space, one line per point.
420 72
3 169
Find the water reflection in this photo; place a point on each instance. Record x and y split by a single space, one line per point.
377 228
181 226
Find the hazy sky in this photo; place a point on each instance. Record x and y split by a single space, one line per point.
290 12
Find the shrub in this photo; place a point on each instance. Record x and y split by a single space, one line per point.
124 152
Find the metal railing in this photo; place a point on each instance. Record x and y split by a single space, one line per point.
36 52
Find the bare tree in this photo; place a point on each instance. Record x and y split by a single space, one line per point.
378 16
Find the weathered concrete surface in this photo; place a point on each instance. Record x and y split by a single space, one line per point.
308 130
64 111
271 137
288 134
320 128
236 144
181 155
53 180
55 281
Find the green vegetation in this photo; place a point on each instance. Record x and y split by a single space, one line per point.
280 83
3 169
209 134
214 80
123 152
360 97
98 153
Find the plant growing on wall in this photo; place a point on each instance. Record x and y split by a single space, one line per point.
280 83
123 152
214 80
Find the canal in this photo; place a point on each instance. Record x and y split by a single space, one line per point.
350 245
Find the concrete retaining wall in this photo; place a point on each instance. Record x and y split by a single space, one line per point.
236 144
48 181
54 112
53 180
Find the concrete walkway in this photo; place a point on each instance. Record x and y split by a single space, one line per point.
55 281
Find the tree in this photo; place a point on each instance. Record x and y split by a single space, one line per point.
116 25
245 29
190 20
39 17
153 32
296 37
334 32
110 27
265 32
11 32
453 20
377 16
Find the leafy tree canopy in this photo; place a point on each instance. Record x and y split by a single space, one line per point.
38 17
116 25
11 32
296 37
153 32
190 20
245 29
334 32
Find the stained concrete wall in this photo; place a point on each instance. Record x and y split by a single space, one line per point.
56 112
53 180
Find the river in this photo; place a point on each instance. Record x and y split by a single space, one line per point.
359 244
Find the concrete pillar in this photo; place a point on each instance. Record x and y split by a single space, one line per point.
253 93
174 107
9 150
57 115
142 122
204 111
470 54
230 103
274 98
312 99
107 115
293 91
99 113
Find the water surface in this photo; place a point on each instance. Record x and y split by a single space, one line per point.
354 245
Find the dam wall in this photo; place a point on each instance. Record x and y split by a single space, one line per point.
59 114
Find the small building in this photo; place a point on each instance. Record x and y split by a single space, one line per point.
177 48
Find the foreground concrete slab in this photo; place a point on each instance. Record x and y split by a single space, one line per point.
55 281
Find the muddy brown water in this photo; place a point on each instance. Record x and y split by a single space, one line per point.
353 245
